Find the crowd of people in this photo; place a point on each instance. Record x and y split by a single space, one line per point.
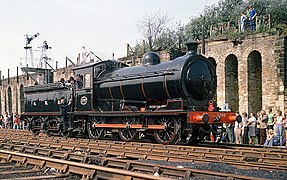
264 128
11 121
248 19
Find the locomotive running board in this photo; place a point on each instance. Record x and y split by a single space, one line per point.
132 126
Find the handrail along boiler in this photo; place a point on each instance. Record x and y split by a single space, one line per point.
172 101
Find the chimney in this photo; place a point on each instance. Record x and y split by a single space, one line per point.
192 47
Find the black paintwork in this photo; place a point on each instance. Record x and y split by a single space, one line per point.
44 98
190 77
185 83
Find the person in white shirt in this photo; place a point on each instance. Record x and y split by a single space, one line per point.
242 21
251 128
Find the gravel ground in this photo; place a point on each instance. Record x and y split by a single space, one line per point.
224 168
7 164
15 168
48 171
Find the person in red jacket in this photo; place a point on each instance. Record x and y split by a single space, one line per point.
16 121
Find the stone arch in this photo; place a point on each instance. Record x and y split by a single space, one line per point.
0 103
16 100
212 60
22 100
254 69
9 93
5 101
231 82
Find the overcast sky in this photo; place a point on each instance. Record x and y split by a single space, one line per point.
102 26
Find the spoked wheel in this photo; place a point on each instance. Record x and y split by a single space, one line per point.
128 134
93 131
168 135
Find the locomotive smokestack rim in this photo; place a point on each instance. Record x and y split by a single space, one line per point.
192 47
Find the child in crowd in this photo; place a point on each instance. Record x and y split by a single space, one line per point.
270 138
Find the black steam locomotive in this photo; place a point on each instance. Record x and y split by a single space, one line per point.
171 101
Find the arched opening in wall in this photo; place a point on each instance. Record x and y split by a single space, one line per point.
17 100
22 100
9 100
5 102
231 82
254 61
212 60
1 104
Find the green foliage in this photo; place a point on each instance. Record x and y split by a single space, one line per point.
227 12
282 28
222 21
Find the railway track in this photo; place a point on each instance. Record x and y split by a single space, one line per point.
106 168
120 154
66 168
240 157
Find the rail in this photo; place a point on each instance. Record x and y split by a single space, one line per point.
86 170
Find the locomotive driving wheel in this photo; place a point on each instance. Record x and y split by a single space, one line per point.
168 135
32 122
93 131
128 134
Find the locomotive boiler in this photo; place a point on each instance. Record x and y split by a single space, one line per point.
171 101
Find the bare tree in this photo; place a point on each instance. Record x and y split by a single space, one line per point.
152 26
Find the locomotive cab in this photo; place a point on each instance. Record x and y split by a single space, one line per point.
86 98
83 88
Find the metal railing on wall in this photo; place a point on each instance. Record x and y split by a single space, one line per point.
262 24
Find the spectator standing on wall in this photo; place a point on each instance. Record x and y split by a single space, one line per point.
252 18
247 22
242 21
245 139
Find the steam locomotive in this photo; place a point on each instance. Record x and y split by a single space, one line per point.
170 101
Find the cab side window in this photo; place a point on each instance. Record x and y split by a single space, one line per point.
79 81
99 70
87 81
